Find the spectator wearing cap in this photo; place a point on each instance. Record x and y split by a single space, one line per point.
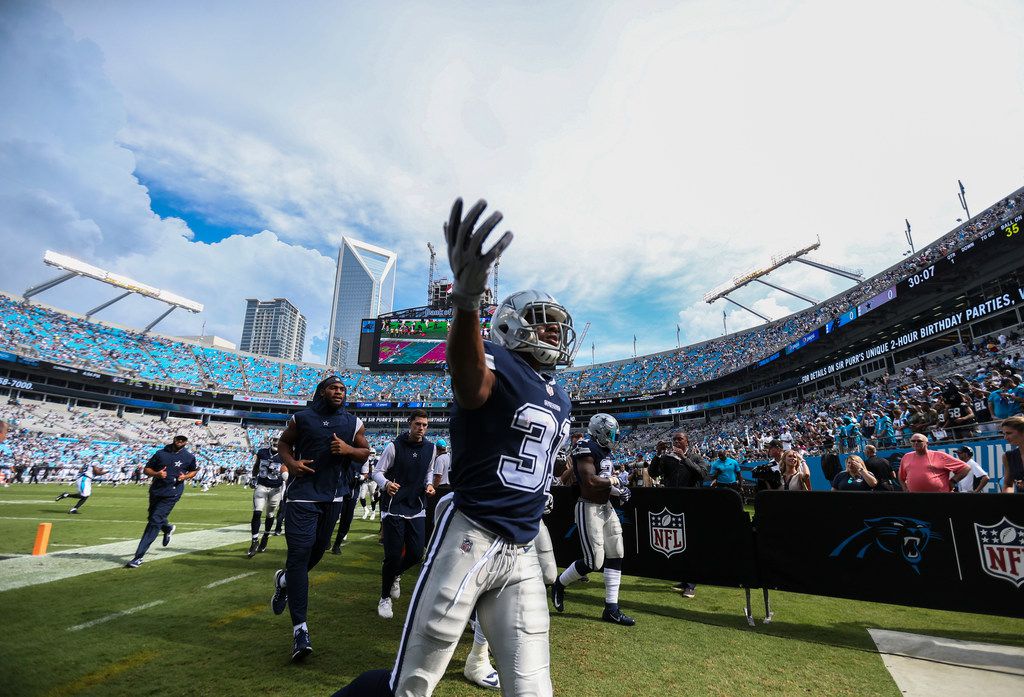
976 481
929 471
442 463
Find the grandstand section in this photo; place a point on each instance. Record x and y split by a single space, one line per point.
945 298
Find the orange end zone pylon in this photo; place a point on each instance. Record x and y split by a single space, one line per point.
42 539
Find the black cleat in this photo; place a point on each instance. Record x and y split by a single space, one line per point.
63 495
280 599
336 549
263 542
558 595
73 510
253 548
301 646
167 536
616 617
134 563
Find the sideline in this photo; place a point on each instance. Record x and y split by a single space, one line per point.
19 572
923 666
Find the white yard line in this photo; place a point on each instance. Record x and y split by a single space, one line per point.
114 616
19 572
366 537
56 518
228 580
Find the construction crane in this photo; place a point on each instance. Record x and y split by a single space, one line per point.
430 273
579 342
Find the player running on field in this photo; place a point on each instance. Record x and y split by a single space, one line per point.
509 419
597 522
84 483
268 477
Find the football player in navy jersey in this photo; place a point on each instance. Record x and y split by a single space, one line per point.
86 473
597 522
318 447
508 422
268 476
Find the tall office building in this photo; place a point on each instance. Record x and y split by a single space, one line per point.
364 286
273 328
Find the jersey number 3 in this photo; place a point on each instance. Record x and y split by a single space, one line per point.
542 436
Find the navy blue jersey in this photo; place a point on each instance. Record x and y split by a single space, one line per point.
268 472
330 479
174 464
591 448
503 452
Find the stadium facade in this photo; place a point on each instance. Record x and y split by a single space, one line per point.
364 286
968 284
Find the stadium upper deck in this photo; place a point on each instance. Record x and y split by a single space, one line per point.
37 332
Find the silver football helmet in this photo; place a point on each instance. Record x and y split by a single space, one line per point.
515 322
604 429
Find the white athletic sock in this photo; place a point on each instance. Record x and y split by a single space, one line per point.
296 628
479 639
611 585
570 575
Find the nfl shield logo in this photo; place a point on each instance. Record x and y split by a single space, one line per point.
1002 550
668 532
551 390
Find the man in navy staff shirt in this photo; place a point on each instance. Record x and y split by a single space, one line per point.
319 446
169 467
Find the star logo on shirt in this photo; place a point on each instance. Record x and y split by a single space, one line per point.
327 423
177 463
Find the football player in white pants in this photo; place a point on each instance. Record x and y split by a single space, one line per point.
597 522
508 422
268 477
368 489
84 484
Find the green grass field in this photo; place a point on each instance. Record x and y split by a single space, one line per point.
224 640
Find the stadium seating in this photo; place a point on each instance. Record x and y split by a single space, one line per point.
35 331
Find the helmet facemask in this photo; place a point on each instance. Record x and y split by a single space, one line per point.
517 321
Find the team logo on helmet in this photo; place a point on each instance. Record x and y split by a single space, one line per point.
668 531
1002 550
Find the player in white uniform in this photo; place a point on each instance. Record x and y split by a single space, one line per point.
368 495
508 422
597 522
83 481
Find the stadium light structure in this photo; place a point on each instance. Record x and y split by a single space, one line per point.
75 267
756 275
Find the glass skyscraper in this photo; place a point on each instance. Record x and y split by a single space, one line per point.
364 286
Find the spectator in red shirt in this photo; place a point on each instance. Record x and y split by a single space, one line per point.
930 471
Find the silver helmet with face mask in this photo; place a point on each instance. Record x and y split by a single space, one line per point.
604 429
518 318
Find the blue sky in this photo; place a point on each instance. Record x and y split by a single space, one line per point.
642 152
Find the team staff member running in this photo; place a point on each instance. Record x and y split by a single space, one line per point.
403 473
318 446
169 467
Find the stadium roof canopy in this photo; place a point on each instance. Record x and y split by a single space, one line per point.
75 267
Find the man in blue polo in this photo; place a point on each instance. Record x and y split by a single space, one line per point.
169 467
319 446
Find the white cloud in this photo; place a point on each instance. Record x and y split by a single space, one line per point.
642 154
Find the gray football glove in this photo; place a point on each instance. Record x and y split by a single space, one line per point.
470 267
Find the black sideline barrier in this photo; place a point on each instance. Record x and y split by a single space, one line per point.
962 552
959 552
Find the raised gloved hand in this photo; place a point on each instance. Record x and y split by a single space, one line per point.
470 267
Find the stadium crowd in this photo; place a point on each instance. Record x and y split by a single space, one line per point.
34 331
